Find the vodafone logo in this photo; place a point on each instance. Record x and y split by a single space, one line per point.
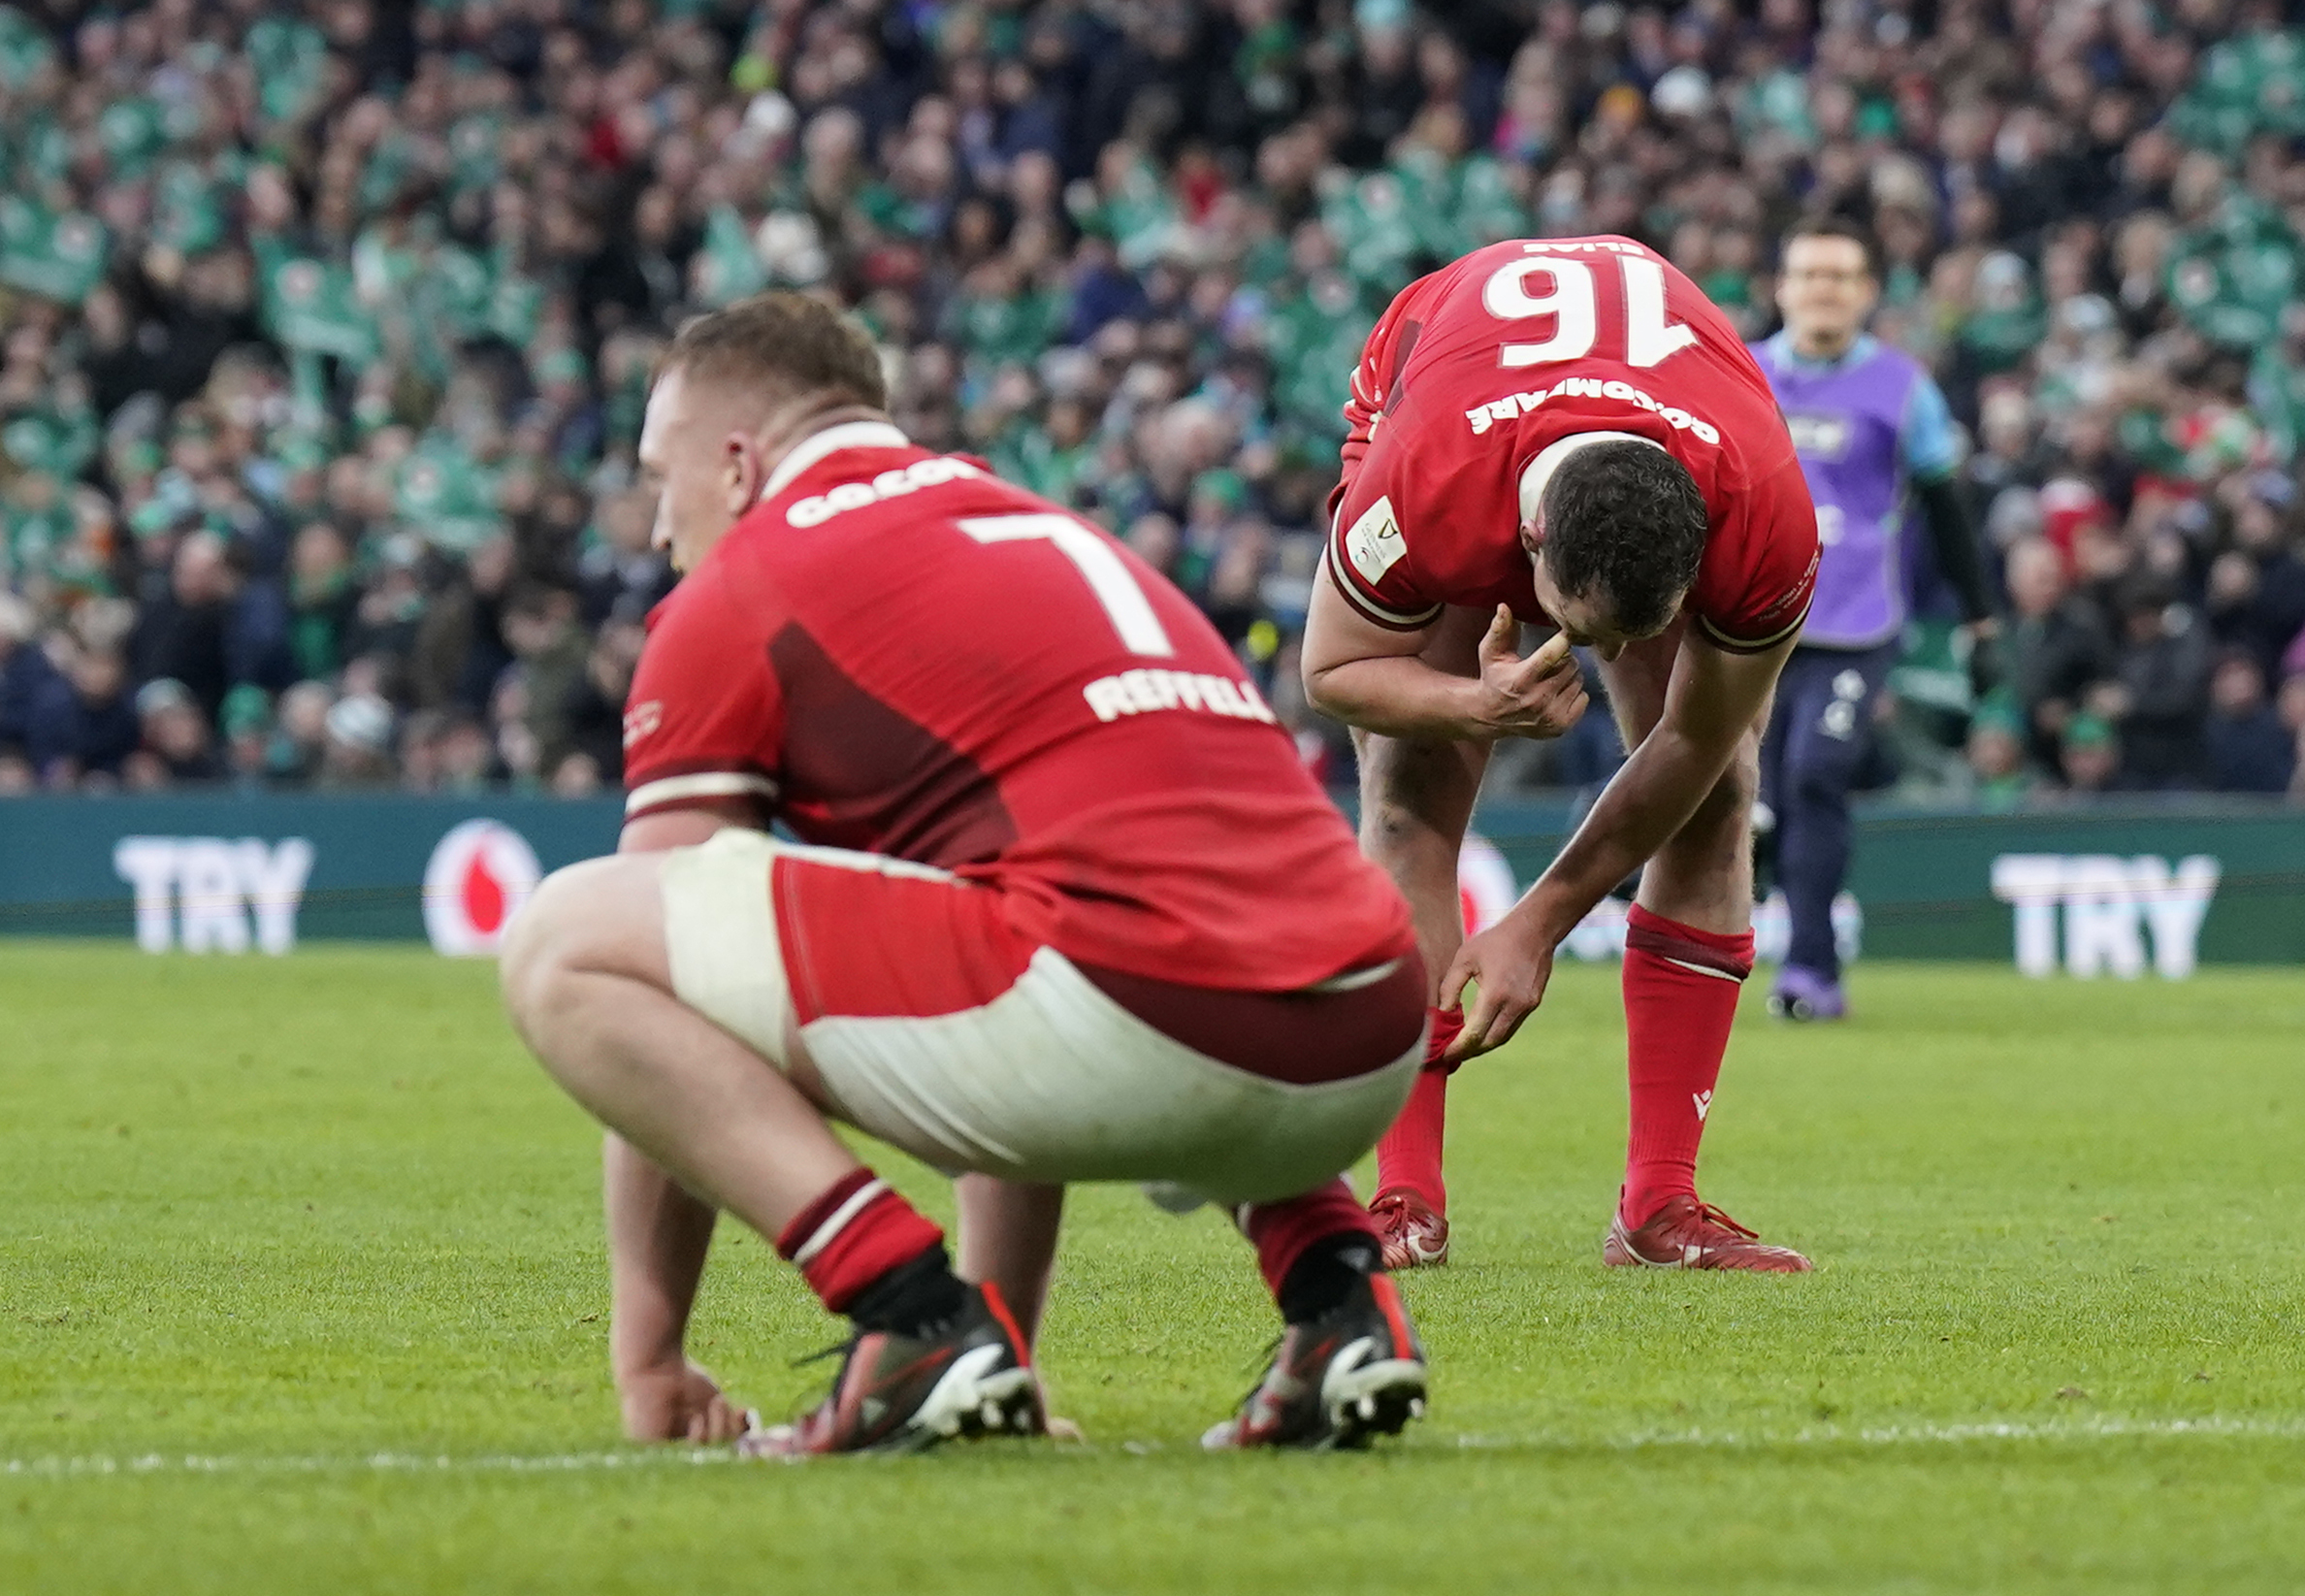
479 876
1485 887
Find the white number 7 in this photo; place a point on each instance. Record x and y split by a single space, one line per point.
1106 573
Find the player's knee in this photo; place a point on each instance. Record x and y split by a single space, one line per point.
544 943
1387 828
1820 781
1729 806
1415 797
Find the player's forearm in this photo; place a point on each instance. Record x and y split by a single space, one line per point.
1399 697
1651 798
1954 538
658 1237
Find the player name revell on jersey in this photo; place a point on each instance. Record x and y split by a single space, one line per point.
1135 692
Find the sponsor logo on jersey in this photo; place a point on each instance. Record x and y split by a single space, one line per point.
642 719
1819 436
480 875
1484 417
1799 593
1374 544
818 509
1138 692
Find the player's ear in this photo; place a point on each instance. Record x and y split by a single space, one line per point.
742 477
1532 534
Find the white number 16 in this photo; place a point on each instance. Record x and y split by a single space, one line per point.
1648 337
1105 571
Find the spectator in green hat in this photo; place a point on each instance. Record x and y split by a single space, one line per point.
1997 753
2088 755
246 719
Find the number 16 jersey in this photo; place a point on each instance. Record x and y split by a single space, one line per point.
898 653
1479 368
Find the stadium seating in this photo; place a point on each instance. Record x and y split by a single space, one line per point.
328 328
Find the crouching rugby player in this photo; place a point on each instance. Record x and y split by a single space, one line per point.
1065 908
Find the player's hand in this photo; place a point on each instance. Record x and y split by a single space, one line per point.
680 1402
1508 966
1539 697
1984 655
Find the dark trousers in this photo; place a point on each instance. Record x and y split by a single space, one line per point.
1819 733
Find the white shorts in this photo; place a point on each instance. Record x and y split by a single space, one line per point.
932 1028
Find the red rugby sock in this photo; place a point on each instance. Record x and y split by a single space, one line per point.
1408 1154
1681 986
1281 1231
855 1231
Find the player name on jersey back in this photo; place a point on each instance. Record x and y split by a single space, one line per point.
1514 406
1135 692
819 507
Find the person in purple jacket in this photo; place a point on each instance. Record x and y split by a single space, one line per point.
1876 443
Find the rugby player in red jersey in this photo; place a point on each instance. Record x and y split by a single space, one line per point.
1064 907
1567 432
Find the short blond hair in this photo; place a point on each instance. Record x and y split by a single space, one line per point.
788 345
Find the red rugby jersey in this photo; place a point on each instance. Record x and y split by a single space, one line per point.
1477 368
898 653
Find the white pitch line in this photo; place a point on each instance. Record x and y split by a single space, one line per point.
1887 1436
371 1463
1903 1435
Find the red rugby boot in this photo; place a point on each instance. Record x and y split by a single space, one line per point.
1412 1235
1688 1234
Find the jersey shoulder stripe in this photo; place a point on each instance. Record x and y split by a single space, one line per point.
1751 645
1369 609
672 792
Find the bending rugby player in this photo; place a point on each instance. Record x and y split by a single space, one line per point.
1567 432
1065 908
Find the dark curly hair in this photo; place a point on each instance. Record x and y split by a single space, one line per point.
1624 525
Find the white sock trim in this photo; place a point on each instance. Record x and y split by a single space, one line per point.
834 1226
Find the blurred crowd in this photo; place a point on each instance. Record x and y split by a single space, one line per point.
328 327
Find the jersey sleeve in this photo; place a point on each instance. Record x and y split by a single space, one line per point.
1928 448
1756 594
1368 556
704 721
1371 394
1364 401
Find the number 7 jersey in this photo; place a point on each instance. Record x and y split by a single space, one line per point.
898 653
1479 368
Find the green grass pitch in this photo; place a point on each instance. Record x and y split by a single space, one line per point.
300 1288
